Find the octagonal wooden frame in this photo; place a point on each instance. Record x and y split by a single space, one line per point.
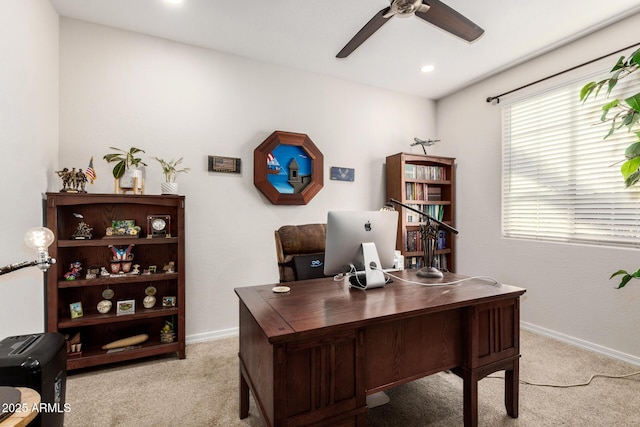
260 168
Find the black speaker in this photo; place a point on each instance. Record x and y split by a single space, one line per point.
38 361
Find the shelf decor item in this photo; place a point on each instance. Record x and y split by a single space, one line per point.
126 307
288 168
158 226
75 310
127 172
170 170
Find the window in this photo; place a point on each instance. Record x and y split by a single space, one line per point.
561 179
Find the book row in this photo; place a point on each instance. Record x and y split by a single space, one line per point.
412 262
414 242
421 191
434 211
424 172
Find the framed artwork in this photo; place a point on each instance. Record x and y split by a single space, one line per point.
224 164
76 310
126 307
343 174
168 301
288 168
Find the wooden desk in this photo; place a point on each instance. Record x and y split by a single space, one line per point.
29 402
312 355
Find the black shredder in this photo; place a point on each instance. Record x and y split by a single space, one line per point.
38 361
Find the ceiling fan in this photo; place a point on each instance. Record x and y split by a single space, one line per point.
432 11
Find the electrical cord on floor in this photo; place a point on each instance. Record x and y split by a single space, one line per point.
571 385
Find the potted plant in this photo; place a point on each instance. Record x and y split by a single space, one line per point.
127 167
170 170
626 113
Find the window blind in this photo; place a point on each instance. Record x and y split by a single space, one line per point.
561 179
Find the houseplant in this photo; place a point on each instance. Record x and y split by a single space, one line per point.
622 113
170 170
127 166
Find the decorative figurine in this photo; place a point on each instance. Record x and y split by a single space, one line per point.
120 254
74 271
83 231
136 269
167 333
169 268
73 181
104 272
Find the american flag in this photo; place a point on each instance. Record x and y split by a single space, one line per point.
90 172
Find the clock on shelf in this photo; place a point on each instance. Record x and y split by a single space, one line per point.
158 226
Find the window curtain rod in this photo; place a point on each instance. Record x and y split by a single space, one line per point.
497 97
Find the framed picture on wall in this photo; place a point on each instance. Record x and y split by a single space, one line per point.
288 168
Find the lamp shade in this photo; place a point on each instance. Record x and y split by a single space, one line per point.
39 238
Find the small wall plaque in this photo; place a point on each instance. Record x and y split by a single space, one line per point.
343 174
224 164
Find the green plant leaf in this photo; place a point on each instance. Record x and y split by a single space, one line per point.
624 281
634 102
617 273
635 57
632 150
619 64
118 170
586 90
629 167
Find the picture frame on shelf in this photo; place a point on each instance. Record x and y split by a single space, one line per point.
126 307
75 309
169 301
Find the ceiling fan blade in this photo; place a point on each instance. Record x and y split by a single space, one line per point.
367 31
442 16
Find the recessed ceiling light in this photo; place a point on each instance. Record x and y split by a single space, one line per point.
173 1
428 68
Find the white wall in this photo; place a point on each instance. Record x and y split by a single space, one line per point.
569 294
29 141
124 89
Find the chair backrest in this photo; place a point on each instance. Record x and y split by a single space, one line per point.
304 243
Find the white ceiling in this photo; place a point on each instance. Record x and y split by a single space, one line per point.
307 34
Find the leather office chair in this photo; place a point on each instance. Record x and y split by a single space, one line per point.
300 243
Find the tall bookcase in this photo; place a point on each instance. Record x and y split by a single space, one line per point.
426 183
150 249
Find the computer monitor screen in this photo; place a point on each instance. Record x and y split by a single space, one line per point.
348 230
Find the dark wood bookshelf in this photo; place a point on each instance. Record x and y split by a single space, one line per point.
426 183
97 329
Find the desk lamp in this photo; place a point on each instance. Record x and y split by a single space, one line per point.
38 238
428 237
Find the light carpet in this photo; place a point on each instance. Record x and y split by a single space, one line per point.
202 390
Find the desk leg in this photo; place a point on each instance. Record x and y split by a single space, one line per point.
470 399
511 389
244 397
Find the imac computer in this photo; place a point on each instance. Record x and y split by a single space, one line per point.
362 243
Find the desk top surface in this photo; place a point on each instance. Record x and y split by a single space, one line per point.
323 303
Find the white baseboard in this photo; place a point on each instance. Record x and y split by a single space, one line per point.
581 343
214 335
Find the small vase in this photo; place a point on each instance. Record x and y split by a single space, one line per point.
169 187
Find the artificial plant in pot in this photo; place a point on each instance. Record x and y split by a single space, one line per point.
127 166
170 170
622 113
